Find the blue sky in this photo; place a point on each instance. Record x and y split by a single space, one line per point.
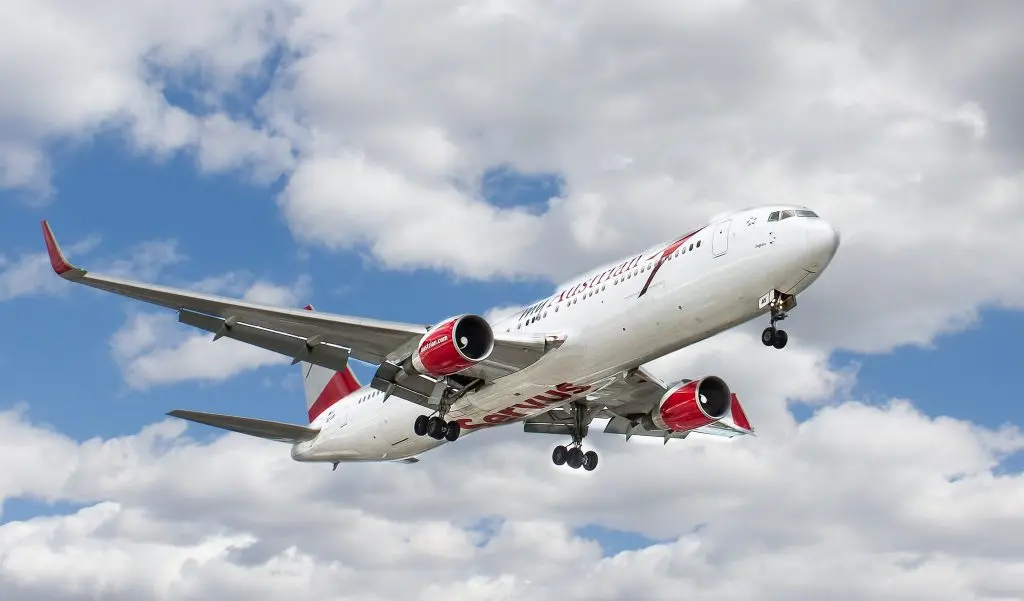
56 349
416 161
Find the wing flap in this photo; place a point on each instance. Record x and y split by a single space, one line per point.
324 354
259 428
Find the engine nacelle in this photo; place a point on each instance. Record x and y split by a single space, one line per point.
453 345
691 405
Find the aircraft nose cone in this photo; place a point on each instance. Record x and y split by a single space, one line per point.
822 243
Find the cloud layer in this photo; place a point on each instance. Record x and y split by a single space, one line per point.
383 119
900 127
857 502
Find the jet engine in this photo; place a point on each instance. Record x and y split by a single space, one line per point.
690 405
453 345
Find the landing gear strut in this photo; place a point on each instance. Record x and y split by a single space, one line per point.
435 425
772 336
573 455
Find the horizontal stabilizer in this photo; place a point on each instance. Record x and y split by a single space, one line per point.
261 428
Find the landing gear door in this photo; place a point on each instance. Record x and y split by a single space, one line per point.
720 241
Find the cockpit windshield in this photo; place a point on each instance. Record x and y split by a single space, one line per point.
780 215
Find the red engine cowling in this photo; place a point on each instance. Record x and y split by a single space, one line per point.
691 405
453 345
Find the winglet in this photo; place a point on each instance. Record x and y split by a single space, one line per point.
61 266
739 417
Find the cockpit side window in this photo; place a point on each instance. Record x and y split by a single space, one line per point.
806 213
774 216
785 215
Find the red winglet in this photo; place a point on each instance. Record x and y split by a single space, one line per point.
57 261
738 415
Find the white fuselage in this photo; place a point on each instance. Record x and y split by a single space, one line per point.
709 284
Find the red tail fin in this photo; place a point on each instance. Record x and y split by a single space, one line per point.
325 387
738 416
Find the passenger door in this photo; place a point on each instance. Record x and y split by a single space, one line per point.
720 240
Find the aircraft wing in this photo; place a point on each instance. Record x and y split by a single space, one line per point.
622 402
260 428
320 338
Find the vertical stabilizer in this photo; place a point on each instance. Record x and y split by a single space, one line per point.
324 387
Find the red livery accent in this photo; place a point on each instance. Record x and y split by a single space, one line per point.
341 384
561 392
454 345
57 260
665 254
692 404
738 415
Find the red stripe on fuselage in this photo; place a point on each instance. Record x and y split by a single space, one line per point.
665 254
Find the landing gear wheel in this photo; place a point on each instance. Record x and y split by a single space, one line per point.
574 458
451 433
778 305
436 428
589 461
420 426
559 455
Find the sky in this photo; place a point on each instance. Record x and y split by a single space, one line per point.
413 161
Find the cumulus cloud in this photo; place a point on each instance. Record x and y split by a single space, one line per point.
152 348
384 118
806 509
114 65
903 131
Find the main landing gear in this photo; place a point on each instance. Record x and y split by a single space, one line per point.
435 425
772 336
436 428
573 456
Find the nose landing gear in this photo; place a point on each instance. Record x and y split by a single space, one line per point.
573 455
778 304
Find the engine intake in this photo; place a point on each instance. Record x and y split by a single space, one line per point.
454 345
691 405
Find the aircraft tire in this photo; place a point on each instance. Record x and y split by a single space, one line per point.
435 428
574 459
558 455
452 431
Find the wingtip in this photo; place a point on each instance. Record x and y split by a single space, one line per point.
61 266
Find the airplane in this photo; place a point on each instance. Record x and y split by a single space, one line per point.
555 366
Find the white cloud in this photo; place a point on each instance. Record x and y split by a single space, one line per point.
658 117
905 133
79 71
383 119
154 349
857 502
